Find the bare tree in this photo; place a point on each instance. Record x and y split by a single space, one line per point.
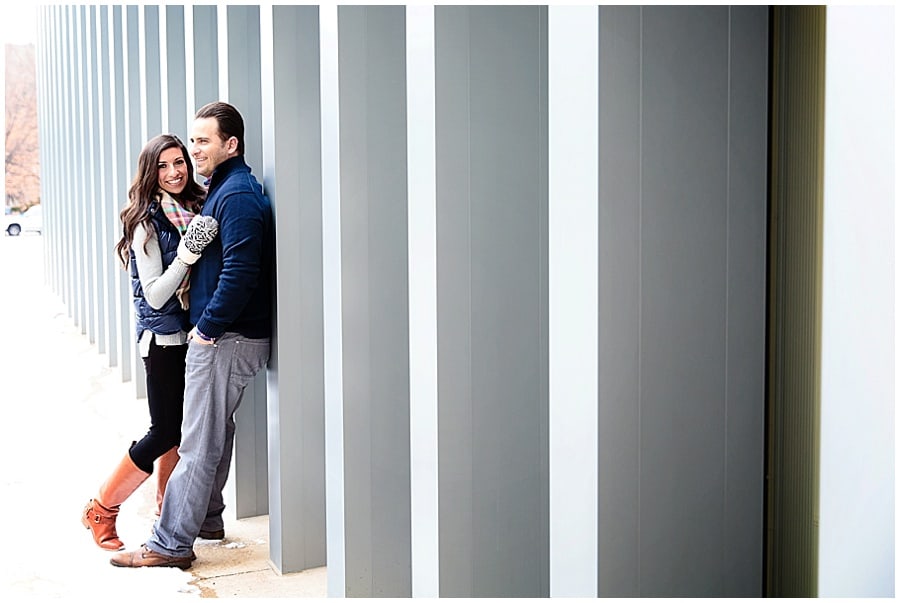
22 150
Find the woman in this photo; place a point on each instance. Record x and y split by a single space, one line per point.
161 239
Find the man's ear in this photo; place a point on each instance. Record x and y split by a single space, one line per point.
231 145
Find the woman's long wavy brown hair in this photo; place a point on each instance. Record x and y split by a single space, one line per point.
145 190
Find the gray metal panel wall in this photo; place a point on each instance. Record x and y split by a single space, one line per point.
72 297
105 197
132 88
619 302
135 137
175 73
491 151
79 197
682 264
293 181
250 478
244 77
797 190
682 271
105 230
681 260
374 285
117 181
746 287
93 225
151 83
147 109
205 56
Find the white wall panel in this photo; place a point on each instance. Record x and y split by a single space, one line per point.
422 235
331 285
573 80
857 485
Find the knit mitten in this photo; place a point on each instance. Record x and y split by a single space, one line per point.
200 232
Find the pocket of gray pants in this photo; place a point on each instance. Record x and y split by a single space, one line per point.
250 355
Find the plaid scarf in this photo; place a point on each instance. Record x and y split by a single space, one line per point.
180 218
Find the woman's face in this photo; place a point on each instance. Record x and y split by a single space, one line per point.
172 171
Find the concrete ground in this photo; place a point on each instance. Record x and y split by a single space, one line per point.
68 419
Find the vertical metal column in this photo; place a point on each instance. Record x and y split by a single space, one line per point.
132 138
148 112
682 300
375 300
491 150
93 225
857 511
173 78
293 181
244 84
151 101
106 327
573 141
79 256
89 170
94 293
746 234
117 181
250 474
72 295
619 301
795 342
331 293
202 58
422 240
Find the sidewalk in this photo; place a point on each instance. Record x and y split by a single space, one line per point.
68 419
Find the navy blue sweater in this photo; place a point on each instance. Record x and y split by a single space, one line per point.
231 283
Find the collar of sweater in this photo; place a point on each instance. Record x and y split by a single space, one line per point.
224 169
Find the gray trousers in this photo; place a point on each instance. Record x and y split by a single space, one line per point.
215 379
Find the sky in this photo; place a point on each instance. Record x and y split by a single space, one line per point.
17 24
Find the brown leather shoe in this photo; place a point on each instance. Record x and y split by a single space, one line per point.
144 557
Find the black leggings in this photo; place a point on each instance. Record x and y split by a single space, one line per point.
164 367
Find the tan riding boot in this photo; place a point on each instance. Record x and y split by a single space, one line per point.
99 515
164 467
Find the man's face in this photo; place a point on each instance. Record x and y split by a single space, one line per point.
207 146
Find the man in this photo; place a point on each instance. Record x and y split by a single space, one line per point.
230 306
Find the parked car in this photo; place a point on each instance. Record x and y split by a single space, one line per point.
31 220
